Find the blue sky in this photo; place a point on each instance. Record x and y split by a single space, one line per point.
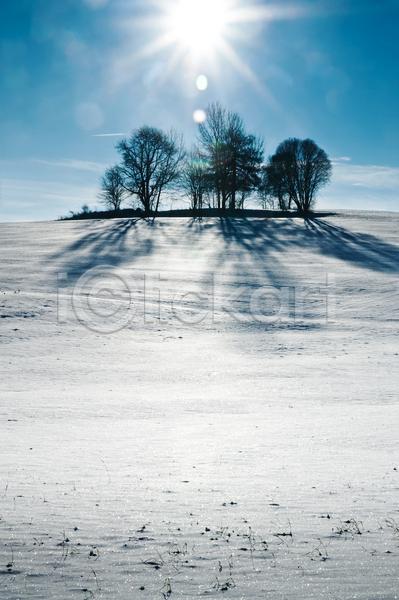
75 70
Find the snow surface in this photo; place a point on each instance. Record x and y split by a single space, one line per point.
231 457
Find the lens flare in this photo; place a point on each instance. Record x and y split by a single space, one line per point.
199 116
202 82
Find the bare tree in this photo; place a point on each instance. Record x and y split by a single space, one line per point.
271 189
245 154
233 155
297 171
212 142
195 178
112 190
151 161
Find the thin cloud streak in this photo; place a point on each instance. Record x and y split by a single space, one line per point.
368 176
14 189
272 12
286 12
70 163
106 134
29 200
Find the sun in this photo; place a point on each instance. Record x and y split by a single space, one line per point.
200 36
198 25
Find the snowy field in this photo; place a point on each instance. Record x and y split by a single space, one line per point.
212 412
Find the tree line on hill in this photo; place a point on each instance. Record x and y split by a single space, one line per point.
221 171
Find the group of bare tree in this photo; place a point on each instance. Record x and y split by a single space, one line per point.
151 161
294 175
222 170
225 166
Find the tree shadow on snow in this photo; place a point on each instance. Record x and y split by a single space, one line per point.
277 240
262 247
362 249
111 243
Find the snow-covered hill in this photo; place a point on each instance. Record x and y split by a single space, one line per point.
196 406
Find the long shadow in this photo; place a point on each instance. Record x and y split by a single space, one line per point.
256 253
364 250
104 243
261 248
260 237
256 248
114 243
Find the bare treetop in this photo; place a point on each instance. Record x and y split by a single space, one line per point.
151 161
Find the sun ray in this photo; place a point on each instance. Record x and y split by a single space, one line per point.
247 72
197 33
174 60
160 43
123 68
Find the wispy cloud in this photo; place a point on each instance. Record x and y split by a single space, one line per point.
70 163
342 158
370 176
106 134
289 11
31 200
365 187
